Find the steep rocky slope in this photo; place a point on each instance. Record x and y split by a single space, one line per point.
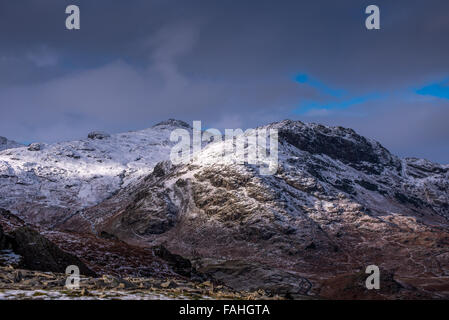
48 182
29 249
337 203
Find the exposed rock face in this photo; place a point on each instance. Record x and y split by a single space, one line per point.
105 254
10 221
36 252
327 211
337 203
35 147
150 213
179 264
336 142
173 123
41 254
244 276
4 241
49 186
352 286
99 135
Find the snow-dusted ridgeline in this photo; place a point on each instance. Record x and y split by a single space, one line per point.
55 180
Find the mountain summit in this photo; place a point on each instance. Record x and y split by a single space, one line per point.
8 144
337 203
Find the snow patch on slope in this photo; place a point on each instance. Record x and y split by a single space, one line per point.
8 144
78 174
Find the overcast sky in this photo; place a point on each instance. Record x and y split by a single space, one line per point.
228 63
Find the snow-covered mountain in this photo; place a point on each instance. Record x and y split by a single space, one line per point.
8 144
337 203
47 182
319 168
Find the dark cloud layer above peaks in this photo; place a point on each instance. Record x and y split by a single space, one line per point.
229 64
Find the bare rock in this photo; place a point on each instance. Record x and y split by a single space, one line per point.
98 135
41 254
35 147
180 265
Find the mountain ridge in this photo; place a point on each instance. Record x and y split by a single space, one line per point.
316 218
338 202
8 144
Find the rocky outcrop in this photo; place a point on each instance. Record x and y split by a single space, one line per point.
173 123
36 252
244 276
336 142
35 147
179 264
99 135
48 186
41 254
10 221
352 286
4 240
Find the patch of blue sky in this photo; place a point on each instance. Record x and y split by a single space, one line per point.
341 104
303 78
334 100
438 89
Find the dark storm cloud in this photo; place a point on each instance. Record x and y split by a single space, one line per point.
227 63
